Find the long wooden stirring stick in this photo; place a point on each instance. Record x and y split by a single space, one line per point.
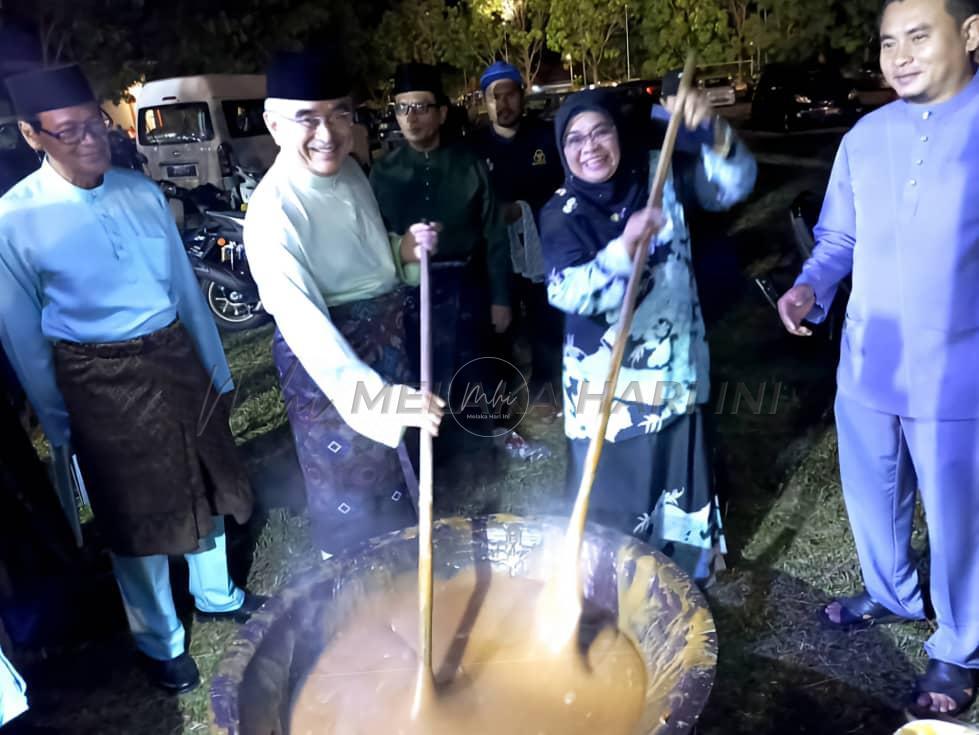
425 683
561 602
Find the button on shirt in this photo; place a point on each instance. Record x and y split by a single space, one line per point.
451 186
902 213
92 265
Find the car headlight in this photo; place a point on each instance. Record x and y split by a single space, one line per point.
802 99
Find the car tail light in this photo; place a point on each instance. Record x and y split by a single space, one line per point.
224 159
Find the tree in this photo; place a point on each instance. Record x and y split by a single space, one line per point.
85 32
529 24
522 25
425 31
797 30
174 37
587 30
476 36
738 10
670 28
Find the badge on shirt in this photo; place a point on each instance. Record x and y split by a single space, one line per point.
539 158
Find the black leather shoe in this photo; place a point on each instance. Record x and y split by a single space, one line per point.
249 607
177 676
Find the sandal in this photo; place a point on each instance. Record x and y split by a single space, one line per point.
955 682
858 613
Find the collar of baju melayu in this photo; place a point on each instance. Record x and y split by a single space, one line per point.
302 178
55 182
414 156
948 108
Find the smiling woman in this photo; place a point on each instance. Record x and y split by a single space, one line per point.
591 147
655 477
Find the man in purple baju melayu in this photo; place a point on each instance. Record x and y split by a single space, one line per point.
902 215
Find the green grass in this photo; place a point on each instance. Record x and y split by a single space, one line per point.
792 550
259 408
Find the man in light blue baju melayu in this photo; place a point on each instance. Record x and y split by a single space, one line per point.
104 323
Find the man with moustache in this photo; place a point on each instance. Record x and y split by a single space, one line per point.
900 215
105 325
525 171
328 273
431 180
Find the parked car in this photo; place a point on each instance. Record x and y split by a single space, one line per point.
719 90
641 88
790 97
802 217
545 104
388 132
743 89
867 77
195 130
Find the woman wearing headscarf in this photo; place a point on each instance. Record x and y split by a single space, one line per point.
654 479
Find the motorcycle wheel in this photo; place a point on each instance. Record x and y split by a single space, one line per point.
230 313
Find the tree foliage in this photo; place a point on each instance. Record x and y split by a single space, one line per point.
795 30
670 28
521 25
121 41
590 30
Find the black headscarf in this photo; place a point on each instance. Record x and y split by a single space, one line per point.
599 211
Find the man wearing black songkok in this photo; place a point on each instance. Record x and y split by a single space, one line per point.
105 325
428 179
332 278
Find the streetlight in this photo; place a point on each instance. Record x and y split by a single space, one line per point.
567 57
509 11
628 61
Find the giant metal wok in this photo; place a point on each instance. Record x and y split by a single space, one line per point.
653 602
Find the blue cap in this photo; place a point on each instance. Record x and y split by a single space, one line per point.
498 71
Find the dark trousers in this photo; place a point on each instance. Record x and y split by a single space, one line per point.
659 488
461 338
543 327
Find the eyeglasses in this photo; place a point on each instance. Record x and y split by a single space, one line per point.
75 134
338 120
419 108
598 134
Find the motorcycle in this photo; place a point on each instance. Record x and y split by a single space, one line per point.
803 215
212 236
245 182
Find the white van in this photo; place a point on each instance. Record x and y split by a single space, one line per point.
194 130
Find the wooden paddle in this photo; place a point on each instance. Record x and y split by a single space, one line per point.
561 601
425 683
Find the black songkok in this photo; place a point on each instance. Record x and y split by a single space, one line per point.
416 77
47 89
307 75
